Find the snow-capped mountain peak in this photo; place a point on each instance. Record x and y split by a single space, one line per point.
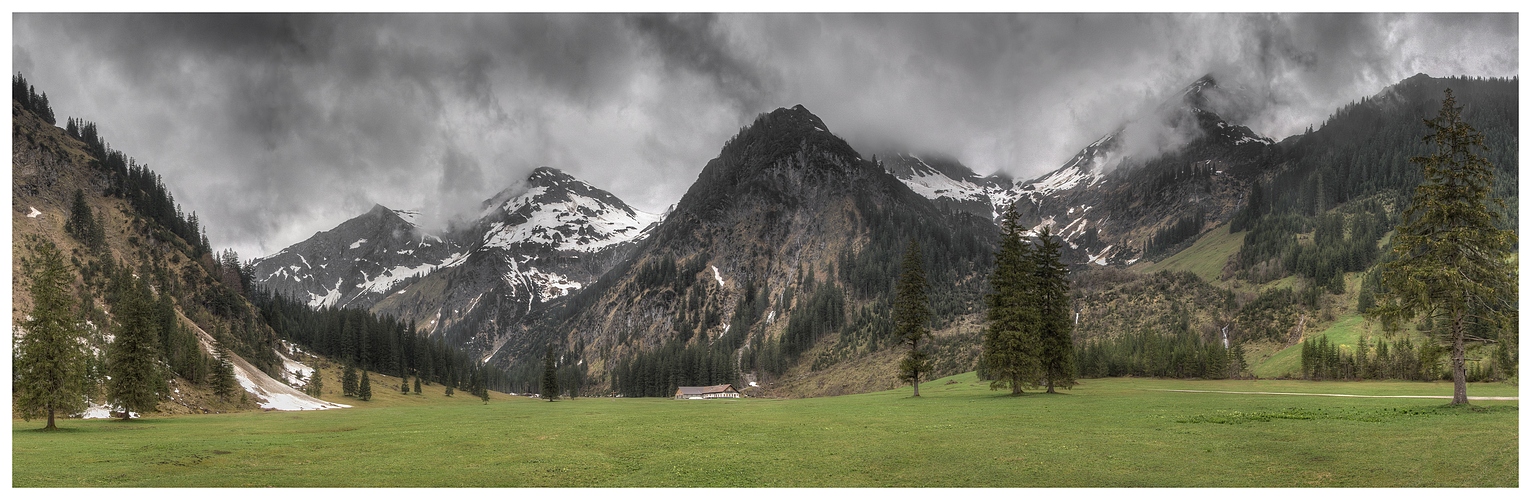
563 213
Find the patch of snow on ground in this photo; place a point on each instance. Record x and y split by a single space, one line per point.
1047 222
293 370
552 285
328 299
716 275
1100 258
1245 139
1134 259
938 185
273 398
358 243
34 213
410 216
1061 180
387 279
98 411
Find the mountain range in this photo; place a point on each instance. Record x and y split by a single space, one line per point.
776 266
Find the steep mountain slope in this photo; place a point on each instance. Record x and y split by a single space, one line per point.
1180 162
1298 257
530 243
779 256
950 184
192 293
143 267
358 262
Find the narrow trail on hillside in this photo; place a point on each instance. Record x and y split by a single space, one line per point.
1470 398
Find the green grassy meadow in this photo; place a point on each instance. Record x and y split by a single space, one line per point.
1205 257
1103 433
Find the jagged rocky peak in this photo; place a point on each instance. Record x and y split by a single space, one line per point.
555 209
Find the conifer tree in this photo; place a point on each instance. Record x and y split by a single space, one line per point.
1055 346
132 361
417 384
222 376
1010 343
549 376
50 360
365 391
82 225
315 386
404 385
349 383
449 390
911 316
1451 260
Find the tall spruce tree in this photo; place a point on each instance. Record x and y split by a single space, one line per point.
349 382
549 376
417 384
1055 344
315 385
1010 342
911 316
50 359
1451 265
82 224
364 392
222 376
135 381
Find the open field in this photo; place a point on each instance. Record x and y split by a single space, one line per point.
1104 432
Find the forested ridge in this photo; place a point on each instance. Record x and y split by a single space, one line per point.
143 279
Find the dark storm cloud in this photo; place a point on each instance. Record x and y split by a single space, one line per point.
693 42
272 127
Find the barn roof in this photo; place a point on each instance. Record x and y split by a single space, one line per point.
711 389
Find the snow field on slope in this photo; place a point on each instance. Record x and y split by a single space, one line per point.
292 371
938 185
387 279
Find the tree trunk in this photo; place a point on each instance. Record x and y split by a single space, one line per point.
50 426
1015 386
1458 363
1050 386
916 384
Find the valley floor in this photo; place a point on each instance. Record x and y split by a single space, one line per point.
1102 433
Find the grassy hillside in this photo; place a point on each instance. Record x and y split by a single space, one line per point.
1105 432
1288 362
1205 257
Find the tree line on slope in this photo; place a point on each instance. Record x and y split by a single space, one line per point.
31 100
149 342
359 339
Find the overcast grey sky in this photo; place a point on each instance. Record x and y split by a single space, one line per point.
272 127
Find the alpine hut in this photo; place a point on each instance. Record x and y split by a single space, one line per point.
708 392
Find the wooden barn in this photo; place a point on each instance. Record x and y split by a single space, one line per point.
708 392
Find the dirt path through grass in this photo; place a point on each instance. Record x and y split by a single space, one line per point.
1470 398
